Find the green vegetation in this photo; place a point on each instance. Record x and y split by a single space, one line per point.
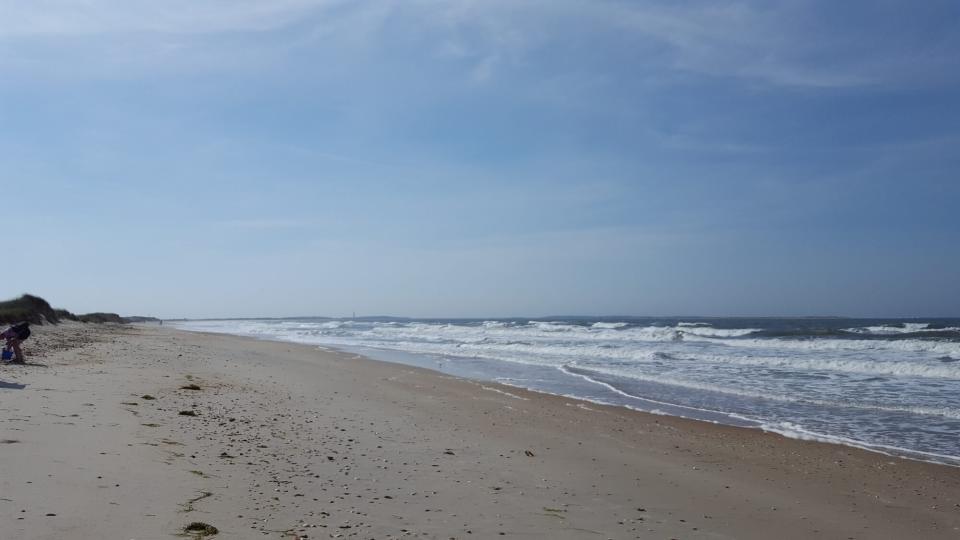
28 308
36 310
63 314
140 319
101 318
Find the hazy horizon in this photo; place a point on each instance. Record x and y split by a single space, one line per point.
568 316
440 158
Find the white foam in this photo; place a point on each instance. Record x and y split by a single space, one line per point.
931 368
941 348
494 324
616 390
552 344
795 431
905 328
729 389
609 325
719 332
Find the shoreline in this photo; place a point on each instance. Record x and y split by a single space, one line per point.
724 419
289 441
748 424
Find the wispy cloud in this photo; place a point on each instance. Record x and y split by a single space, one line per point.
781 44
66 18
802 44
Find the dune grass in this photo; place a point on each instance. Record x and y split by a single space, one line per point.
28 308
36 310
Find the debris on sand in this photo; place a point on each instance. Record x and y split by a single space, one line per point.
188 506
200 529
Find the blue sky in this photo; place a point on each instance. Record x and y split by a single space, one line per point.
482 158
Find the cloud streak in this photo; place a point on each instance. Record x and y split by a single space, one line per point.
783 44
67 18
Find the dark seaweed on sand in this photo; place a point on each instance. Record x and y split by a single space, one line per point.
200 529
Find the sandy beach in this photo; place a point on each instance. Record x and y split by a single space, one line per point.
134 432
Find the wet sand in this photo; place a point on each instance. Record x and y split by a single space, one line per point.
274 440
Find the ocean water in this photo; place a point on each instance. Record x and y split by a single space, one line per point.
886 385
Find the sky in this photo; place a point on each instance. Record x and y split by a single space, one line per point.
461 158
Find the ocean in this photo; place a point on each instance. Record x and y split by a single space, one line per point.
886 385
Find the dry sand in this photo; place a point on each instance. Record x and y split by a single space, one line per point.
289 441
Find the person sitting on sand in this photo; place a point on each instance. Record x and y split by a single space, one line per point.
15 335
